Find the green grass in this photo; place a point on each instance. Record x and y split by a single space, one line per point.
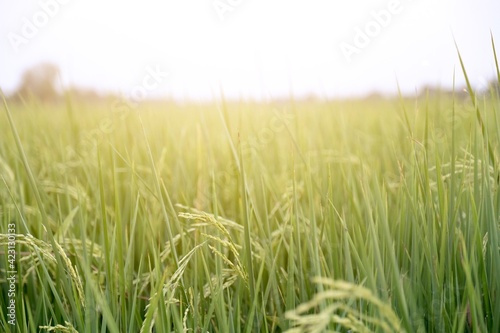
365 216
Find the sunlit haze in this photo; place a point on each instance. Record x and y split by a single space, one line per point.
249 48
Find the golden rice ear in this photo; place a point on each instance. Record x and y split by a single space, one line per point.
66 328
336 305
39 248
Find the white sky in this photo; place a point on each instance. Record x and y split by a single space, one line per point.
260 49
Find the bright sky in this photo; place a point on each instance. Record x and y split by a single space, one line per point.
250 48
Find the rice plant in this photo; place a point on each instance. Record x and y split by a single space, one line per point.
318 216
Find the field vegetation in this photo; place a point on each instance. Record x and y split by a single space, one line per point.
376 215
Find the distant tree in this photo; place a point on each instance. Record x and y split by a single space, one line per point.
374 96
82 94
40 81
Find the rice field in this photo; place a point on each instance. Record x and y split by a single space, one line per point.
376 215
